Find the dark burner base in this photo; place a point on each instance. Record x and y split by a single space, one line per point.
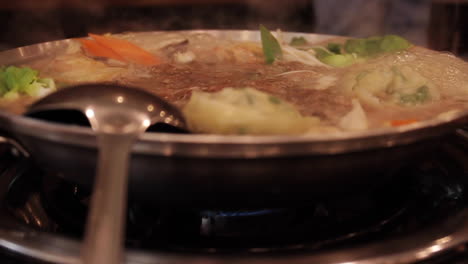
432 190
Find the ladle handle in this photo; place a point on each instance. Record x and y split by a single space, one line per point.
103 242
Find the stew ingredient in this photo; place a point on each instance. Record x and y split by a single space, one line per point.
278 86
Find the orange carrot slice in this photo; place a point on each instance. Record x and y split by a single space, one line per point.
127 50
98 50
402 122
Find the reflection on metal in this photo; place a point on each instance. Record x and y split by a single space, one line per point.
21 52
168 119
89 113
425 243
435 248
408 249
443 240
17 149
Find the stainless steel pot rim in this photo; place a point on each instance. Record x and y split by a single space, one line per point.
24 122
31 123
232 146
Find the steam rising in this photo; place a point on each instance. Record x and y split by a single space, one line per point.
31 21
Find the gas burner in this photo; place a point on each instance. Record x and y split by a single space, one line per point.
48 203
416 218
229 229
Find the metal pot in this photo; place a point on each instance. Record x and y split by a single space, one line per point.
215 170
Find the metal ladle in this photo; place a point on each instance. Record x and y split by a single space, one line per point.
118 115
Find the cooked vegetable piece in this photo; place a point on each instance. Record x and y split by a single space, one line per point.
373 46
271 47
244 111
334 47
334 59
16 81
98 50
274 100
403 122
391 84
339 60
419 97
298 41
321 53
124 49
357 46
355 120
355 50
392 43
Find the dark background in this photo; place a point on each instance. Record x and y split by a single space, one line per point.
438 24
27 22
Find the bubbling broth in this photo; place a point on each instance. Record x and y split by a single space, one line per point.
224 86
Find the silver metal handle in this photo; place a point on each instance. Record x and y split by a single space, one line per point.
104 235
462 132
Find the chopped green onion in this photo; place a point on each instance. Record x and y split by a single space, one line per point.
334 47
357 49
333 59
339 60
298 41
15 81
392 43
357 46
373 46
321 53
